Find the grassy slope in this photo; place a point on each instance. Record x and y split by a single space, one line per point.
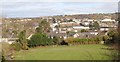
78 52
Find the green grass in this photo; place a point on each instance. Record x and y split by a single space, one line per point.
74 52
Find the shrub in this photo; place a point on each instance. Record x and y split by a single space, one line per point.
97 39
56 40
3 56
113 37
63 43
83 30
39 39
22 40
16 46
105 38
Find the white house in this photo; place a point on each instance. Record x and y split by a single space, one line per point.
8 40
69 29
107 20
80 27
104 29
77 20
53 26
67 23
86 23
76 35
94 33
90 20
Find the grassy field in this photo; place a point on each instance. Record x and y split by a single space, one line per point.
76 52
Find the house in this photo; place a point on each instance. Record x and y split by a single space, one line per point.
94 33
90 20
8 40
53 26
76 35
69 29
77 20
107 20
60 35
80 27
84 35
104 29
101 33
62 30
69 24
86 23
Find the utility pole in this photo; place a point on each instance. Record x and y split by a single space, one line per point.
118 30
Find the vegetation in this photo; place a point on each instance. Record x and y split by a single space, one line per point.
16 46
74 52
64 43
94 26
70 20
44 27
83 30
22 40
119 38
112 37
3 56
56 40
6 51
39 39
95 40
105 38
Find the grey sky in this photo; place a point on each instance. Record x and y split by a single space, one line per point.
35 9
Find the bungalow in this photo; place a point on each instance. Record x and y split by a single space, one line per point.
60 35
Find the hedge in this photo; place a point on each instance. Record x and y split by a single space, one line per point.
72 40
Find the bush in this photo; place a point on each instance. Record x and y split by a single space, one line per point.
83 30
56 40
39 39
22 40
97 39
63 43
113 37
105 38
16 46
3 56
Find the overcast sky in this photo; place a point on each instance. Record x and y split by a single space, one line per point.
36 9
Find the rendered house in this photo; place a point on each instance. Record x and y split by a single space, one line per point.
107 20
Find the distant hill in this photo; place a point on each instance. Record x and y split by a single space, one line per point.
90 16
79 16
